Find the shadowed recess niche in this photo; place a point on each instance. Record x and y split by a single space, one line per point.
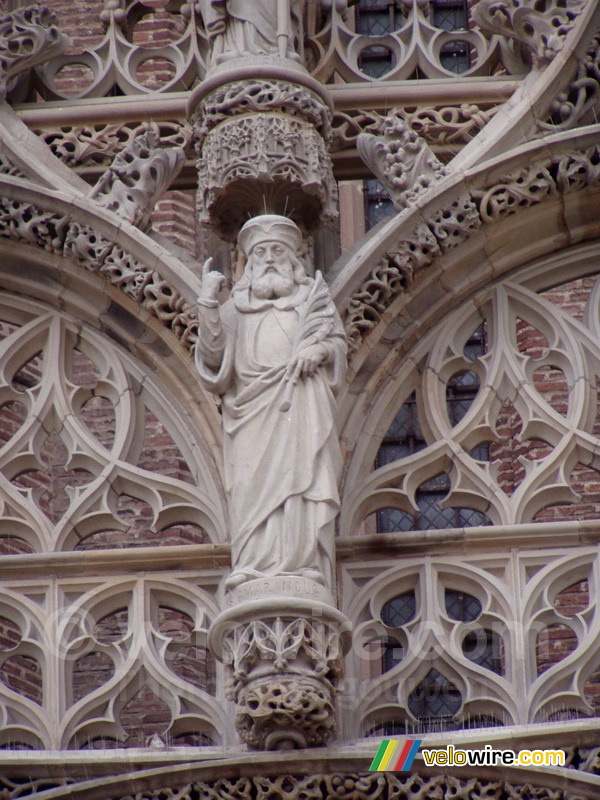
92 452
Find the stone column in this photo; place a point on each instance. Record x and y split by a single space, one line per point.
262 128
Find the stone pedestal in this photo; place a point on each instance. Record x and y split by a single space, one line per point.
262 133
283 640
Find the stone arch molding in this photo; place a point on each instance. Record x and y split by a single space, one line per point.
40 352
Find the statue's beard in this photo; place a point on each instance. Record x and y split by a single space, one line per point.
272 285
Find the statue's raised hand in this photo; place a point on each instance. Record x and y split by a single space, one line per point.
212 281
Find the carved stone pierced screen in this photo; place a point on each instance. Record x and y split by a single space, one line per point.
500 424
91 454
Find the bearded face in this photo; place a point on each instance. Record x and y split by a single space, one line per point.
272 270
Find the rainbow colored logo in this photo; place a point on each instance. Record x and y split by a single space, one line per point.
395 755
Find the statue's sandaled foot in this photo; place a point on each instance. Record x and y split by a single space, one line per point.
312 575
236 579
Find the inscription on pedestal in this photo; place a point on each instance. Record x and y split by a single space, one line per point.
282 586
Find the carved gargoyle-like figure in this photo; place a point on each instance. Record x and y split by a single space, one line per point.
28 36
137 178
402 161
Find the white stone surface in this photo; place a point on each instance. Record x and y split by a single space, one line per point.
276 352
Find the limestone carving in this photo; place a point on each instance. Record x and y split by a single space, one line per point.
284 641
212 31
137 178
339 785
541 29
61 235
28 36
255 96
276 353
565 172
84 146
401 160
514 192
444 126
114 62
263 149
579 105
263 27
300 707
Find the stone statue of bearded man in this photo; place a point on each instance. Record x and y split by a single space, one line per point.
276 353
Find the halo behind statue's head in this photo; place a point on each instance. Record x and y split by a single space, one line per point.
269 228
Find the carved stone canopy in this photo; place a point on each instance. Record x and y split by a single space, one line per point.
262 149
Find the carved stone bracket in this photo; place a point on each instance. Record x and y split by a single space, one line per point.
401 160
262 148
137 178
255 96
539 27
28 36
284 650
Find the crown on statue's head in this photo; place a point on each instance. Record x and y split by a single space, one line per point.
269 228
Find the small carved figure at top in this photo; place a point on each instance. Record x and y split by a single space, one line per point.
262 27
276 353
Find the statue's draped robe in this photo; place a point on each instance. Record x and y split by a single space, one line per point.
281 467
248 26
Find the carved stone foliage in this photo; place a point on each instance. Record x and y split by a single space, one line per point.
64 482
59 234
137 178
285 712
255 96
79 146
346 786
262 148
401 160
28 36
123 630
541 29
476 669
446 126
580 103
284 676
449 226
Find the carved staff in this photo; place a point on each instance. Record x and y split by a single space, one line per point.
283 35
315 323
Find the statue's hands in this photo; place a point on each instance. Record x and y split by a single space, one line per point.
212 281
306 362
